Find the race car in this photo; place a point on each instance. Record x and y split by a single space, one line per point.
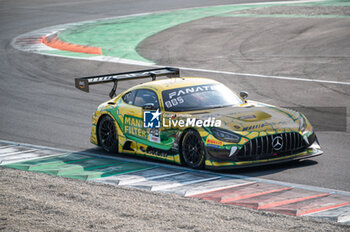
197 122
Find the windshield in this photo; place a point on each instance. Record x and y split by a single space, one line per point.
199 97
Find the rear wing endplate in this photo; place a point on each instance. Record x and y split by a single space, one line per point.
84 82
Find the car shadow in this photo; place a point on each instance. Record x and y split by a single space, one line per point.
269 169
246 171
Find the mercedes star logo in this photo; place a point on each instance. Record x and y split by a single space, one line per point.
277 143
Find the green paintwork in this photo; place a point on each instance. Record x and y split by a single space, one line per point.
120 37
167 142
50 161
79 166
107 170
165 147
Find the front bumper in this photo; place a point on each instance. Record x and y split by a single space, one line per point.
312 151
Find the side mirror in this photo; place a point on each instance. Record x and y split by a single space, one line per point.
148 106
243 94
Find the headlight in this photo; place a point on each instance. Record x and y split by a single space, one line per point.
225 135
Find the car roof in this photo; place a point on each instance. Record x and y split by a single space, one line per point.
172 83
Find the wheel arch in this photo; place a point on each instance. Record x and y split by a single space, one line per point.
181 139
105 114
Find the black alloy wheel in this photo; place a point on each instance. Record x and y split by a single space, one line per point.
107 134
192 150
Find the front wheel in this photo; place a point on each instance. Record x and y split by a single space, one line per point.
192 150
107 134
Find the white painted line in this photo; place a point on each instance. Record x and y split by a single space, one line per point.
108 59
38 48
341 214
171 185
17 152
21 159
193 192
344 218
28 155
165 175
183 180
265 76
119 180
207 186
6 146
63 151
186 178
9 150
180 168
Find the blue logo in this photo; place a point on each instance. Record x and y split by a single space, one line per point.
151 119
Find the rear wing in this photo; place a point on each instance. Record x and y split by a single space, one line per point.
84 82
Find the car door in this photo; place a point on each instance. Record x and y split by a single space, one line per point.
133 113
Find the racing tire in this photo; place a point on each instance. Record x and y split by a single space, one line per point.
107 134
192 150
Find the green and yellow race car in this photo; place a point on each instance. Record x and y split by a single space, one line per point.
196 122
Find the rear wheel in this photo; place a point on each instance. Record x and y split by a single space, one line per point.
192 150
107 134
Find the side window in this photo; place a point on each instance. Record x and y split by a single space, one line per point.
129 97
144 96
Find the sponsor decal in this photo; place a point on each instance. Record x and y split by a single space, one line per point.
151 119
258 126
134 126
154 135
213 143
175 97
127 75
190 90
160 153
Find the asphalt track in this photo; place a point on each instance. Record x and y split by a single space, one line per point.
39 104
